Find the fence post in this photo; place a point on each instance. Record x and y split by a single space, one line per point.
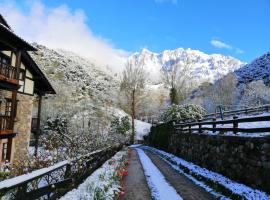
189 129
235 124
200 126
214 125
22 192
180 129
68 171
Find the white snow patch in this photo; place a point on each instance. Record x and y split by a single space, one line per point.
160 188
141 129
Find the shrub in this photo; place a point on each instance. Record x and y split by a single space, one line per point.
120 125
182 112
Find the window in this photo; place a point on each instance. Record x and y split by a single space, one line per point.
4 151
22 75
8 107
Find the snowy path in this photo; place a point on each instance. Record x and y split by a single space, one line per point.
136 187
184 186
160 188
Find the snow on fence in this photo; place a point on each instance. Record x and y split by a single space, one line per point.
246 111
56 180
232 125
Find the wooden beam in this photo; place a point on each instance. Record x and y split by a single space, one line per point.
38 124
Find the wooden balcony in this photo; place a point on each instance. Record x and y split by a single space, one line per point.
8 74
5 125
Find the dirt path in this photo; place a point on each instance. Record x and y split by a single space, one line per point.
185 187
135 182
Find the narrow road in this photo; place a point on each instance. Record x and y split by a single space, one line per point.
138 189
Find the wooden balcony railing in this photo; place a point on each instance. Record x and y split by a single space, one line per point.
5 125
8 73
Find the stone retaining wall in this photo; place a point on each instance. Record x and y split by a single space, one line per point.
243 159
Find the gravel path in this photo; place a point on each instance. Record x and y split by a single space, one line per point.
185 187
135 182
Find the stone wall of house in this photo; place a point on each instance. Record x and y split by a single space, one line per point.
22 127
243 159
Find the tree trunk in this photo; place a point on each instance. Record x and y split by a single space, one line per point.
133 118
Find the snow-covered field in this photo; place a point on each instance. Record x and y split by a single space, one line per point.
235 188
102 184
160 188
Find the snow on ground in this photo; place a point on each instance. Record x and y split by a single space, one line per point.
236 188
102 184
160 188
141 129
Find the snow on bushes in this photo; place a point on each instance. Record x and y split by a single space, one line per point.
182 112
106 183
120 125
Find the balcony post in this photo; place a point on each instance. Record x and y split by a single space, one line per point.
38 124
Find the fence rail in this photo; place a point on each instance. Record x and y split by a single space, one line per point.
247 110
201 126
55 181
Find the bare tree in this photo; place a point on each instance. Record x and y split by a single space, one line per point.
224 90
175 75
132 84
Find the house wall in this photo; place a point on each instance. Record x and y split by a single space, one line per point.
22 127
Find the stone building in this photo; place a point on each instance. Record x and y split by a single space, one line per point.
20 81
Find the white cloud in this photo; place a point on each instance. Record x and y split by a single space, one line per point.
221 45
63 28
167 1
239 51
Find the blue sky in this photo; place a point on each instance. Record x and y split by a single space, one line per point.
240 28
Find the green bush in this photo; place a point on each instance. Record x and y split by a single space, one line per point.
182 112
159 136
120 125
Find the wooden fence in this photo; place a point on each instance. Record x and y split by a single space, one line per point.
55 181
200 126
246 111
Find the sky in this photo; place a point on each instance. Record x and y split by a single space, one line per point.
112 29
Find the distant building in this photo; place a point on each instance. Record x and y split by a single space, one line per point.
20 79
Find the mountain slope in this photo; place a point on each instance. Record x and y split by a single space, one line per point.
259 69
67 68
204 68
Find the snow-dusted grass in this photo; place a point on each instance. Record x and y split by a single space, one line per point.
102 184
237 189
160 188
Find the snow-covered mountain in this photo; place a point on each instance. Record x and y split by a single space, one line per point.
204 67
259 69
